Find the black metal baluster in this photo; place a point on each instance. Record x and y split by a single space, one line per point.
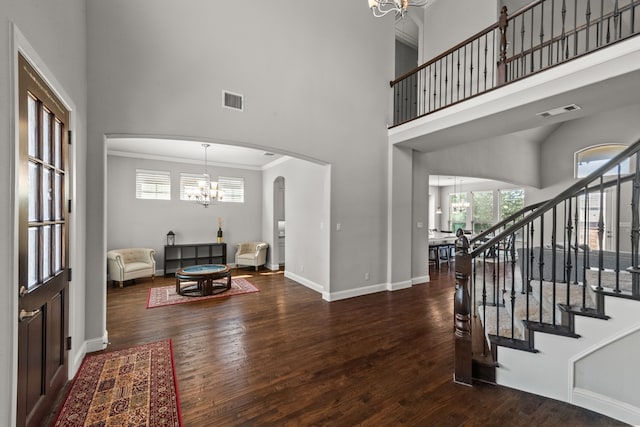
601 234
523 57
564 21
564 245
471 71
435 85
577 242
553 264
541 262
464 79
440 86
478 73
618 193
486 59
588 18
616 17
493 63
586 249
608 38
575 28
541 32
446 77
484 294
513 283
458 71
451 96
513 69
526 255
551 35
429 88
567 246
531 41
601 22
633 16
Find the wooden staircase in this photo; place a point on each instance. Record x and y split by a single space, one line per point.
538 272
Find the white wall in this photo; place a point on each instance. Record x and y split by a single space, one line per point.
53 35
133 222
308 222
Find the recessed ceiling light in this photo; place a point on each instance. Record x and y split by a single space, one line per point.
559 110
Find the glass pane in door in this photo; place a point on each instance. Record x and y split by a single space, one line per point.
32 126
33 257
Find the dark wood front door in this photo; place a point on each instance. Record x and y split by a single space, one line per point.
43 246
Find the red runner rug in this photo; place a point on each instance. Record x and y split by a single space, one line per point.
130 387
166 295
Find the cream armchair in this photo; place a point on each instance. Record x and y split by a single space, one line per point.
252 254
131 263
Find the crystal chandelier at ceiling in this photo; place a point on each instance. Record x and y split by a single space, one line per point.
207 190
381 7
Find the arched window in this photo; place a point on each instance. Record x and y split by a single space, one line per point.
591 158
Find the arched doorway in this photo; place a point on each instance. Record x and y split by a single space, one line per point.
279 229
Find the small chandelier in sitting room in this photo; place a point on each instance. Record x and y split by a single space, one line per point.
381 7
207 190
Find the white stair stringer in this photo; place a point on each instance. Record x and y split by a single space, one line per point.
552 371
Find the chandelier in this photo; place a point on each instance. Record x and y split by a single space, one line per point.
207 190
459 205
381 7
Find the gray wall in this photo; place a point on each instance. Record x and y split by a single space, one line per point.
55 32
406 58
307 211
133 222
158 68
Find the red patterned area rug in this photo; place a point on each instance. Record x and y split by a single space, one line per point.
131 387
166 295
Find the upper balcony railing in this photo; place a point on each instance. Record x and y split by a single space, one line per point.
544 34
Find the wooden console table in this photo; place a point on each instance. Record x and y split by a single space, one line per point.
180 256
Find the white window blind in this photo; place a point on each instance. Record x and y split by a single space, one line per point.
232 189
153 185
188 180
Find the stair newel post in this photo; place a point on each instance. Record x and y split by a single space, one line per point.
462 312
503 23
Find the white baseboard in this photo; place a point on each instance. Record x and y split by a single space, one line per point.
606 405
78 357
350 293
399 285
304 281
273 267
97 344
421 279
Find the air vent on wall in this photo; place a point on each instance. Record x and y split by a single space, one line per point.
232 100
559 110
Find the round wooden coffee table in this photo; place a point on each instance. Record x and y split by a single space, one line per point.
205 277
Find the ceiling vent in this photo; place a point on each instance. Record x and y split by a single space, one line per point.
559 110
232 100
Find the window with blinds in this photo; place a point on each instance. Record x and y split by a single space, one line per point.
189 180
155 185
232 189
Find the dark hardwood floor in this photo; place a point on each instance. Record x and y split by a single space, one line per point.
285 357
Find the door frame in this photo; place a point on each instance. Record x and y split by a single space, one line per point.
20 45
